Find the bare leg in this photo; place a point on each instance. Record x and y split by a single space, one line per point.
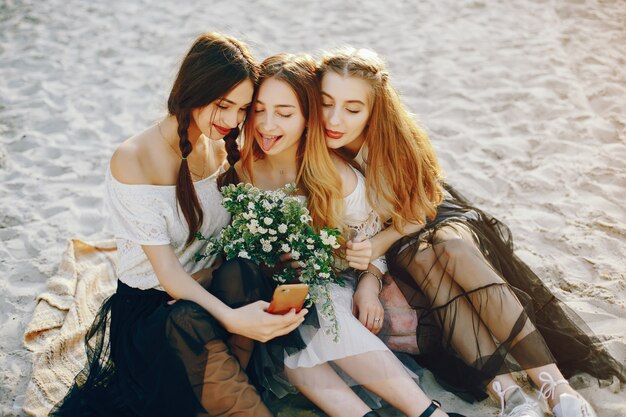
334 397
225 390
399 390
456 278
242 348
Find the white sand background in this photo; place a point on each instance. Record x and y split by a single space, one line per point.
525 102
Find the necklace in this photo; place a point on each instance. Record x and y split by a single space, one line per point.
193 174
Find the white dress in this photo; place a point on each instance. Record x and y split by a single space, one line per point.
360 357
143 214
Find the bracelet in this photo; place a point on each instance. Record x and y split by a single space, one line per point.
375 275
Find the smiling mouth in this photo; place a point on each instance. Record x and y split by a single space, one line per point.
221 130
268 141
333 134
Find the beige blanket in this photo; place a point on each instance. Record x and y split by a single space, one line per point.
86 277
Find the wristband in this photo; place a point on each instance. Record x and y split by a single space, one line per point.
375 275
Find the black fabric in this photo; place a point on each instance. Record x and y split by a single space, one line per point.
144 355
471 287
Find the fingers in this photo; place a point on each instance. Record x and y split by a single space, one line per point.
294 318
360 242
290 322
363 317
359 252
378 322
358 260
288 329
285 257
296 265
360 265
372 318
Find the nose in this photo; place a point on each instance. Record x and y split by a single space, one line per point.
334 118
267 121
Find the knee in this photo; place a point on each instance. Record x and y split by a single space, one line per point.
239 282
457 249
190 324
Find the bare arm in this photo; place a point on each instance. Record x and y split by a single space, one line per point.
251 321
383 240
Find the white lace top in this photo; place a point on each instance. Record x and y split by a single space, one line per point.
143 214
361 217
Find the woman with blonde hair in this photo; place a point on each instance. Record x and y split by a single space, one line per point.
285 143
482 312
148 355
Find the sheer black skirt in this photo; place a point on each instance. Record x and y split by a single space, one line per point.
483 312
148 358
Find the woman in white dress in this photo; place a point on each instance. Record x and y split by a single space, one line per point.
148 355
482 312
285 143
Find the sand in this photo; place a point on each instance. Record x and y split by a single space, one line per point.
524 101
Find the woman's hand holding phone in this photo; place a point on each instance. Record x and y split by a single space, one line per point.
253 321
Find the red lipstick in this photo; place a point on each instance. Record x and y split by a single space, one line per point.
221 130
333 134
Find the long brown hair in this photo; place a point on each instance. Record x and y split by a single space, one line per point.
317 176
403 175
214 65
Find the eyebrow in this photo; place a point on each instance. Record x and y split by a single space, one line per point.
278 105
347 101
233 103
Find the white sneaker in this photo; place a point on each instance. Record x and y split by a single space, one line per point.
569 405
573 406
518 404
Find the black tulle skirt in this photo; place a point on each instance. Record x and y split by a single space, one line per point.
482 311
145 355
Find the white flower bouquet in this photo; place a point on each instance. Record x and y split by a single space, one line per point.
268 224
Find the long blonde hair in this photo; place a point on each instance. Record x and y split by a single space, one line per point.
403 176
317 176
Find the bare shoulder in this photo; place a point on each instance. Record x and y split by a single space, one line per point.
125 163
144 159
349 179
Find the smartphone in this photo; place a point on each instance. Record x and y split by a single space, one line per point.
288 296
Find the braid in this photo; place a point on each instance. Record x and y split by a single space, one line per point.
232 156
185 191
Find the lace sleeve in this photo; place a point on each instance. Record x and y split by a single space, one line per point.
381 263
137 212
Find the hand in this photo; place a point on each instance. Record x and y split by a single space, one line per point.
359 252
287 262
284 262
254 322
367 307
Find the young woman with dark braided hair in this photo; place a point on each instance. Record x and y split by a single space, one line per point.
148 355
